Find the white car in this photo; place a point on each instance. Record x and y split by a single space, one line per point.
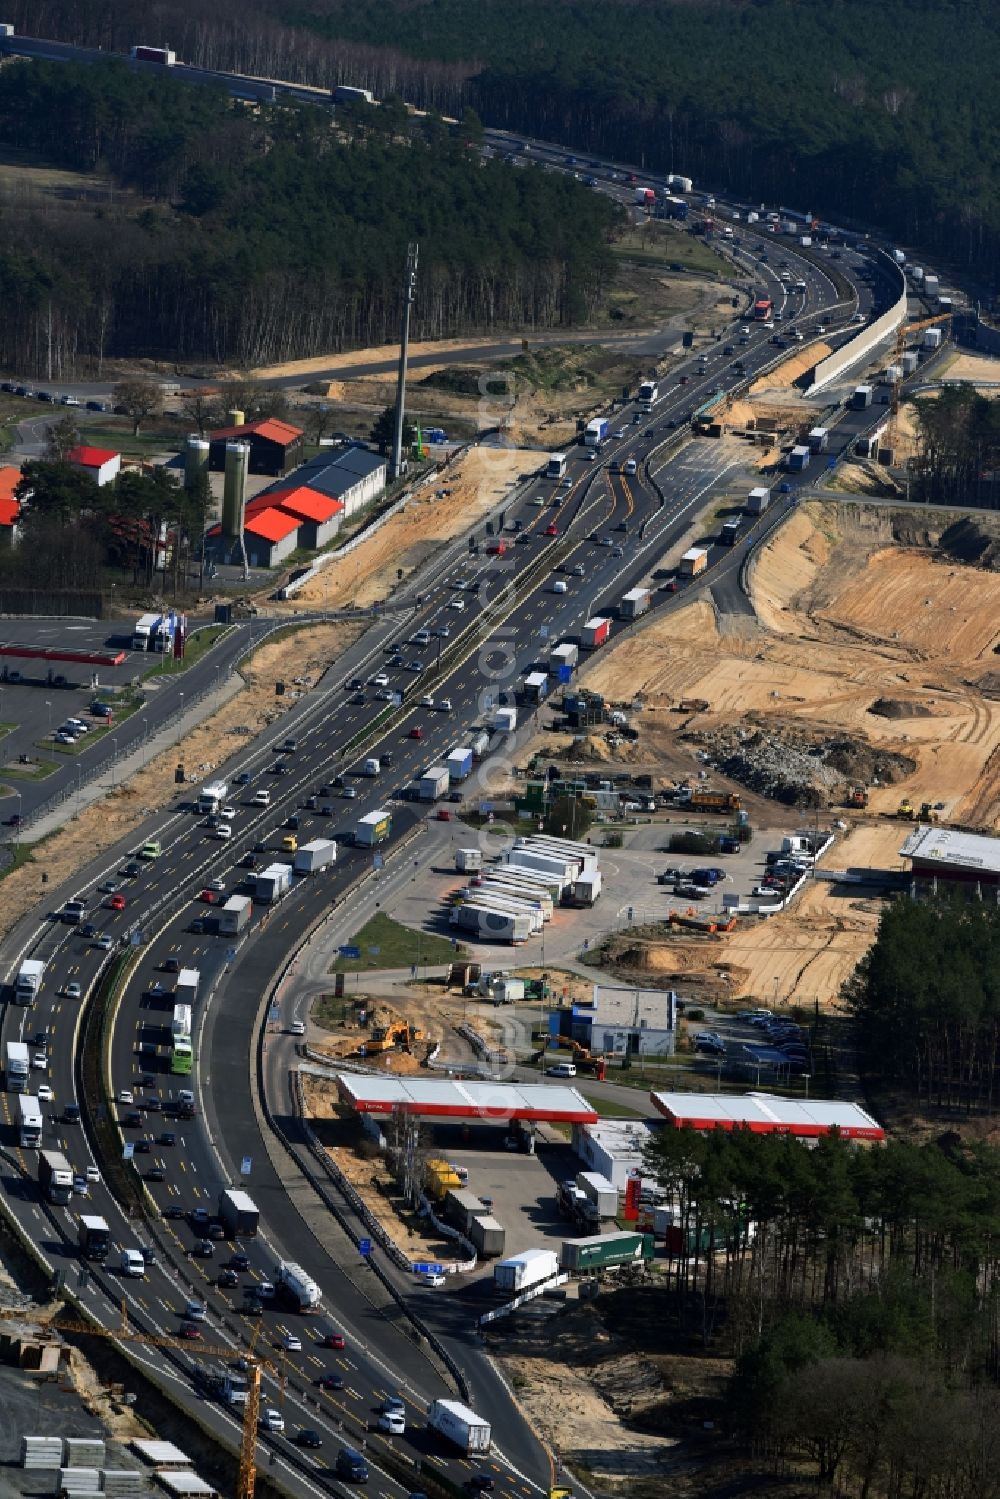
92 1174
271 1420
40 1060
443 705
291 1343
763 890
426 701
432 1278
297 1028
217 884
538 501
80 1185
262 798
43 1093
228 813
457 604
221 834
619 434
384 695
394 1424
125 1096
380 680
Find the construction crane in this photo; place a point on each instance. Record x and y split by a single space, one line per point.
247 1480
897 385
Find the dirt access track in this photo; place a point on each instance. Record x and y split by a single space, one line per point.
855 607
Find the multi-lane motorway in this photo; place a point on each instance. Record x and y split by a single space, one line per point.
407 695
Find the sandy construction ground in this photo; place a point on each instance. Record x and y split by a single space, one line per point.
790 369
972 367
461 494
305 654
349 361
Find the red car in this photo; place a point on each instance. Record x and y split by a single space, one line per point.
552 530
117 903
416 732
443 814
210 897
190 1331
334 1340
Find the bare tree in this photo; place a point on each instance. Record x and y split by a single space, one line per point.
139 398
61 438
202 411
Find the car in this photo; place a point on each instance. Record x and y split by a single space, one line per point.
152 1105
117 903
307 1436
759 890
92 1174
215 1231
443 705
40 1059
80 1184
239 1261
125 1096
561 1069
710 1048
71 1113
244 778
709 1036
334 1340
350 792
480 1483
331 1382
264 1290
618 434
132 1120
416 732
108 887
73 990
552 530
199 1215
156 990
297 1028
105 943
433 1277
271 1420
416 665
43 1093
156 1174
194 1311
88 929
132 870
291 1342
379 680
426 701
384 695
167 1138
538 501
190 1331
204 1249
210 897
174 1210
443 632
142 1146
457 604
228 813
393 1423
197 926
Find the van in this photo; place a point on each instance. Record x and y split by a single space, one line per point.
351 1465
422 637
630 466
132 1263
261 799
290 844
151 850
561 1069
560 586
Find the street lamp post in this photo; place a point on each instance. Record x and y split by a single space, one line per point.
114 757
48 717
145 736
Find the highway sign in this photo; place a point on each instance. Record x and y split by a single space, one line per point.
373 952
364 1248
128 1151
230 954
246 1165
273 1015
378 862
422 1269
135 937
349 952
543 631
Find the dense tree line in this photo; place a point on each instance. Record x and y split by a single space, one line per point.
854 1285
927 1001
270 235
959 449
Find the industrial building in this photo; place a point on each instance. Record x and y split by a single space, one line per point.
276 447
766 1114
102 464
941 854
627 1022
613 1147
270 537
318 516
10 506
354 475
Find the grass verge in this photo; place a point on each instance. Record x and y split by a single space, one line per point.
195 647
36 772
386 943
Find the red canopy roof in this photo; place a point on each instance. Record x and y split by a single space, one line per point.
272 524
269 427
299 500
92 457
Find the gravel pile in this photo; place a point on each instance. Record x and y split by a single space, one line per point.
790 766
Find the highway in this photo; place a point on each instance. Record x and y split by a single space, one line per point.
411 692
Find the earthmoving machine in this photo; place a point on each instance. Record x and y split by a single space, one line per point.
857 796
906 810
388 1037
585 1059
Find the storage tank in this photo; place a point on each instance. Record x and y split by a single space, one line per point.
235 489
196 451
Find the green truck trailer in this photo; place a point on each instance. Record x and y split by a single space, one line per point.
605 1251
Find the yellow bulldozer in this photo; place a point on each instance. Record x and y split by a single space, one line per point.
391 1037
908 812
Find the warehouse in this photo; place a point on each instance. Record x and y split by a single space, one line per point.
764 1113
275 447
941 854
270 537
102 464
354 475
318 516
613 1147
10 506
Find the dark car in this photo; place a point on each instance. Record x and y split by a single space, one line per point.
141 1147
279 768
480 1483
167 1138
216 1231
88 929
156 1174
227 1280
132 1119
152 1105
307 1437
331 1382
244 778
204 1249
174 1211
239 1261
171 964
197 926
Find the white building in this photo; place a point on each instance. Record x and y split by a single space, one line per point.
627 1022
102 464
613 1147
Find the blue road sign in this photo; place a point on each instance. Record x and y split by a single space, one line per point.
230 954
422 1269
364 1248
373 951
135 937
128 1151
246 1165
349 952
274 1015
378 862
831 463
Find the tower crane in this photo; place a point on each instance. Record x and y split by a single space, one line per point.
256 1362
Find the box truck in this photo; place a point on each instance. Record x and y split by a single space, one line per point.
536 686
433 784
372 766
694 561
861 398
798 458
461 1206
596 432
460 763
238 1213
212 797
235 915
468 860
606 1251
595 632
496 926
373 829
649 394
317 854
601 1192
186 988
818 440
504 720
556 466
634 603
524 1270
55 1177
488 1236
460 1425
93 1237
18 1066
29 981
758 500
29 1121
274 882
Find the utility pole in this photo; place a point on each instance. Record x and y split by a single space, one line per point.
409 292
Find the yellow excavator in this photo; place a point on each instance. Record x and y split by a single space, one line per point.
908 812
389 1037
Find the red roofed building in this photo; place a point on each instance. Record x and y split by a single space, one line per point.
269 536
276 447
102 464
10 506
319 516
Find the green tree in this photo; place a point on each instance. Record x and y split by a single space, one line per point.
383 432
55 491
568 817
139 398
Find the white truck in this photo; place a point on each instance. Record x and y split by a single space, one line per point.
212 796
238 1213
600 1191
458 1424
29 1120
142 632
180 1024
504 720
526 1269
297 1287
29 981
317 854
18 1066
433 783
186 988
468 860
235 915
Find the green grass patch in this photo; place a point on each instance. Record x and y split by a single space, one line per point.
330 1012
195 647
607 1107
657 244
23 854
397 946
36 772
